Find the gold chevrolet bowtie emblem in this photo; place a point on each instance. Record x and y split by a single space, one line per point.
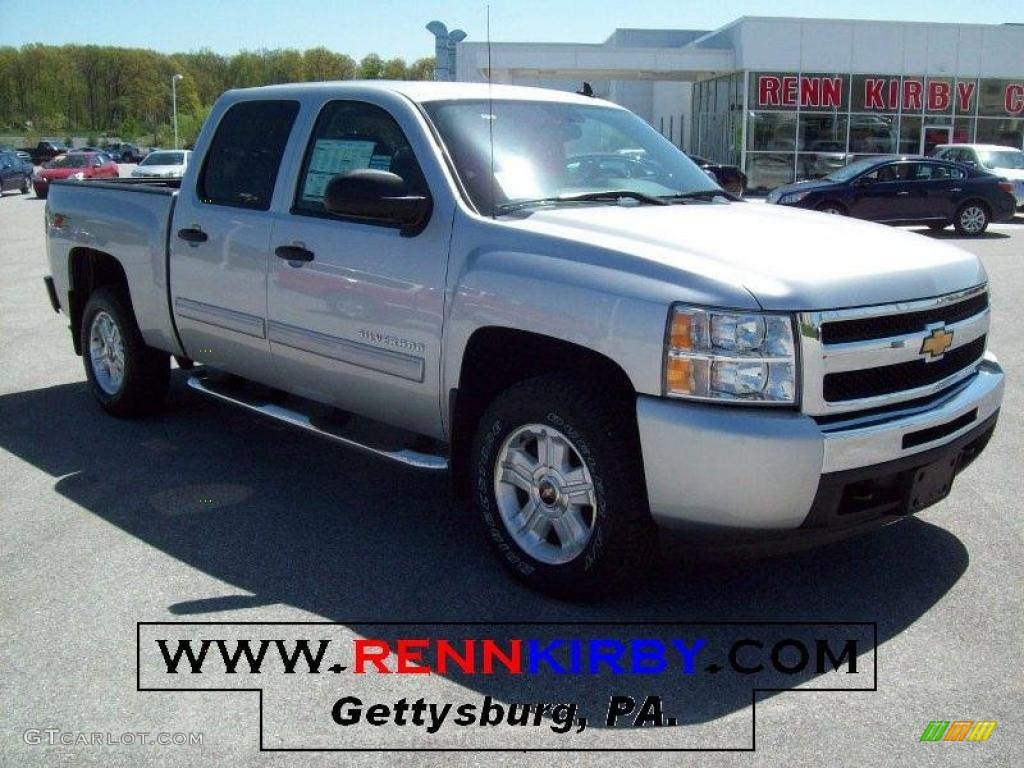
937 342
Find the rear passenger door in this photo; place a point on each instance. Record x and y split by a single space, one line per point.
941 183
220 240
358 324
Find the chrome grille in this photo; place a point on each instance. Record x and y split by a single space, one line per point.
871 357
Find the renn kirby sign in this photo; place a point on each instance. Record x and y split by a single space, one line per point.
874 93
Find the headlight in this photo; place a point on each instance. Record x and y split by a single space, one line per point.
78 176
720 355
793 197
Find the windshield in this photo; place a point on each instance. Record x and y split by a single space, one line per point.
853 169
69 161
1009 158
164 158
546 150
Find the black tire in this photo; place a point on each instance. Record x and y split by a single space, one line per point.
147 371
42 194
938 226
830 206
962 214
622 541
25 186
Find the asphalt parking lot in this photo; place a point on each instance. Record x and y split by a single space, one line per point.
105 523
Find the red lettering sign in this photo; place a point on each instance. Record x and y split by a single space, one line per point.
768 88
789 91
912 95
810 91
938 96
1013 99
873 93
964 96
832 92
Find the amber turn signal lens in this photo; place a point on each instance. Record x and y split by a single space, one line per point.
679 375
681 332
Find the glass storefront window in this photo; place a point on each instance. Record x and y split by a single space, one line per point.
765 171
821 142
910 135
772 131
963 130
873 134
1008 132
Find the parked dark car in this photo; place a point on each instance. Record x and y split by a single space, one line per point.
15 173
729 177
45 151
907 190
123 152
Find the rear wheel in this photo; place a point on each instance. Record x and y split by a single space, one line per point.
557 481
127 377
971 219
836 209
24 186
42 193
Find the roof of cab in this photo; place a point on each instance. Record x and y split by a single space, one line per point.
423 91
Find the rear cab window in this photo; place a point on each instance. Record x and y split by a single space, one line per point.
243 160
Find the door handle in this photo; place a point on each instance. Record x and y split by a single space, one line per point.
192 235
293 253
902 194
957 189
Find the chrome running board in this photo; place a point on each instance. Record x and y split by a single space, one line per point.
296 418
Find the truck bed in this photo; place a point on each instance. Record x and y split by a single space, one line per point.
128 219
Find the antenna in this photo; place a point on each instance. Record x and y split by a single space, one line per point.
491 118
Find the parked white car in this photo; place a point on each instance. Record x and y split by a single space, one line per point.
1004 161
164 164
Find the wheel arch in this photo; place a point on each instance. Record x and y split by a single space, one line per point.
89 269
495 358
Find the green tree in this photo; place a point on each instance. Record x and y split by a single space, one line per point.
371 67
421 69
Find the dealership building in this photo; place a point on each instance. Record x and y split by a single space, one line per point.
788 98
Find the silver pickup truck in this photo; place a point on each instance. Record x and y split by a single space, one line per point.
540 294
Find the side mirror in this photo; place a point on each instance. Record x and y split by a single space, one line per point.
377 196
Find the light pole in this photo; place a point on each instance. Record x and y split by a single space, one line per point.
174 105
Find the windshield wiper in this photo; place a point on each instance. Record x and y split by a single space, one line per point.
699 194
586 197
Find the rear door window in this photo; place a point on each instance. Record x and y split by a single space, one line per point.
245 155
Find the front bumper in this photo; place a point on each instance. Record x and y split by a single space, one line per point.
731 468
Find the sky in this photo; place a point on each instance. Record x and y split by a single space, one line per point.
396 27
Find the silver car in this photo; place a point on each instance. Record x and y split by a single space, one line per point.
164 164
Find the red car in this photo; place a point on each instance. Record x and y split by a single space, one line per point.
74 165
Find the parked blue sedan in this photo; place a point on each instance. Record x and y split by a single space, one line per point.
907 190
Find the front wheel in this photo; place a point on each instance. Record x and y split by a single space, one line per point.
971 219
24 186
127 377
558 484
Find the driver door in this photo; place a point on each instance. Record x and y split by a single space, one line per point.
357 322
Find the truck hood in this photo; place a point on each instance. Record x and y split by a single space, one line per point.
786 258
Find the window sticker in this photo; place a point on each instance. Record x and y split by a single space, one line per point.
331 157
